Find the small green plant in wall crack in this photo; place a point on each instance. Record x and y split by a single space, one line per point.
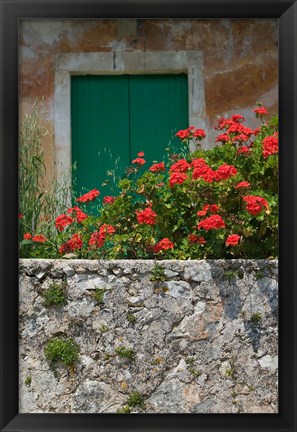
256 318
99 295
124 352
54 296
131 318
135 399
28 381
62 349
158 274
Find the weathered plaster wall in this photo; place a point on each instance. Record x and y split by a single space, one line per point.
240 58
204 339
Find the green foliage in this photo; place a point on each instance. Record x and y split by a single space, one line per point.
54 296
158 274
103 328
194 372
256 318
135 399
99 295
28 381
229 275
131 318
190 360
233 274
231 370
62 349
165 213
124 410
124 352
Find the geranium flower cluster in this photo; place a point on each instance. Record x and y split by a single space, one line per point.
158 167
146 216
191 133
98 238
270 145
163 245
73 244
255 204
108 200
63 220
201 171
139 160
89 196
212 222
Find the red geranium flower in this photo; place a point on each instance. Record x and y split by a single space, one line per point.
199 163
241 137
214 208
260 112
39 238
237 118
139 161
224 123
255 204
106 229
232 240
193 238
223 138
225 171
182 134
243 150
27 236
96 239
163 244
243 184
202 171
21 216
62 221
177 178
204 210
180 166
79 214
89 196
158 167
270 145
140 154
108 200
212 222
199 133
147 216
74 243
257 131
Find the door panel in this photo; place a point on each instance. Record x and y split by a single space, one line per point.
100 128
158 109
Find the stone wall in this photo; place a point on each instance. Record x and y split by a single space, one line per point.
153 337
240 60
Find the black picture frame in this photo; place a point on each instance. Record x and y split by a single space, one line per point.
11 12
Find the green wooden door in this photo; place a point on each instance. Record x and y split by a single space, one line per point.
115 117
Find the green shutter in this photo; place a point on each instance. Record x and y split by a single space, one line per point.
158 109
115 117
100 128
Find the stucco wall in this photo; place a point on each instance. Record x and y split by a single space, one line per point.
203 339
240 59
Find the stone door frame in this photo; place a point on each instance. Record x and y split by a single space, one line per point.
115 63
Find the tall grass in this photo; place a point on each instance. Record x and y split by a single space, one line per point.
38 203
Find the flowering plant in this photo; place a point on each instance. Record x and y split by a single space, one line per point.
215 203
